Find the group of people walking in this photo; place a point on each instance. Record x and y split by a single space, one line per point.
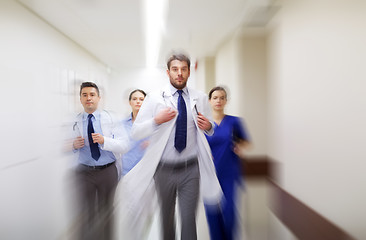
177 142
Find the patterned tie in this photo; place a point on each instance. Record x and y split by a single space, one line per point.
94 149
180 141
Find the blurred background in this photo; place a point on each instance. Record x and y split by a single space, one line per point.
296 74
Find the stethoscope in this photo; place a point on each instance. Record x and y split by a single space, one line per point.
75 127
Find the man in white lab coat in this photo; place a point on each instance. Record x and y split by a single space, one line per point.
178 158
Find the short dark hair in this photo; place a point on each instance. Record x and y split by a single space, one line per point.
136 90
218 88
179 56
89 84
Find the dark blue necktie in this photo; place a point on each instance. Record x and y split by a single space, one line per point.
94 149
180 140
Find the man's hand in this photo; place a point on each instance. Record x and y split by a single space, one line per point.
203 122
78 143
165 115
98 138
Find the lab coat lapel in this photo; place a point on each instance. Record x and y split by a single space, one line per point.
193 98
78 127
104 124
168 97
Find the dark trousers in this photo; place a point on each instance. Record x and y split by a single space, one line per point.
182 181
96 190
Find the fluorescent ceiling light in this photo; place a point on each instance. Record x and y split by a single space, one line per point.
155 12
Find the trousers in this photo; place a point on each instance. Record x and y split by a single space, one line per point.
178 182
96 190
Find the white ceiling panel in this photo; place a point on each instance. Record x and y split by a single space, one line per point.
114 30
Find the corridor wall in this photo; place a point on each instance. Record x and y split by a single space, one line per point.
41 70
316 96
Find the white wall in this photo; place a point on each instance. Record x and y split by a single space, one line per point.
241 65
316 107
205 74
40 72
252 89
227 73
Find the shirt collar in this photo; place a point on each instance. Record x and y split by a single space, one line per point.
129 118
96 115
173 90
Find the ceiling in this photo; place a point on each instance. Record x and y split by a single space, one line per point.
114 31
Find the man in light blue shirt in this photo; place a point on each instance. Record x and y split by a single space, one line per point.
98 143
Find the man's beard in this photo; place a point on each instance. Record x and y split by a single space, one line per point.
178 86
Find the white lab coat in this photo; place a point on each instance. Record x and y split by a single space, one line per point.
135 184
116 139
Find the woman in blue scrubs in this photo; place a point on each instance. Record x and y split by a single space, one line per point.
227 143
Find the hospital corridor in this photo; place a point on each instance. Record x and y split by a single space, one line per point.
294 74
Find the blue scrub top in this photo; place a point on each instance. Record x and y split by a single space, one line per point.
227 163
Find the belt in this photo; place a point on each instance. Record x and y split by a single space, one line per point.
178 166
98 167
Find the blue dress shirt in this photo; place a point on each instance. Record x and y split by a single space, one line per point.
85 154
